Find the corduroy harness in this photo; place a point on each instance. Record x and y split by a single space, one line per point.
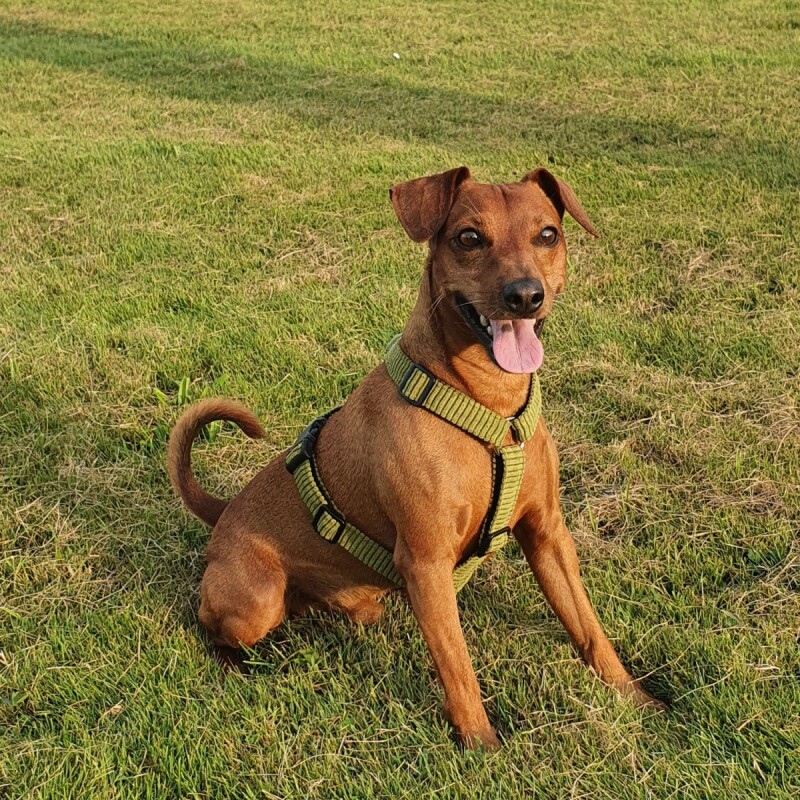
421 389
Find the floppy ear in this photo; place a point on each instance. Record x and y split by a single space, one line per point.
422 205
562 197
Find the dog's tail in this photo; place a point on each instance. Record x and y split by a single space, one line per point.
179 452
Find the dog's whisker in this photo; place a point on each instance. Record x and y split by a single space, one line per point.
434 305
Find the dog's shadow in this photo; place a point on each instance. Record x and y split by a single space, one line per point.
384 667
337 651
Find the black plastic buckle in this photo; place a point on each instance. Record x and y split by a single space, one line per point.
485 541
412 368
300 457
307 439
333 514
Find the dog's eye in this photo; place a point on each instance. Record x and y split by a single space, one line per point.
548 236
469 239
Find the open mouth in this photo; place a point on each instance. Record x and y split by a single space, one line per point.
513 344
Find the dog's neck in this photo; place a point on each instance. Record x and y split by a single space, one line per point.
438 338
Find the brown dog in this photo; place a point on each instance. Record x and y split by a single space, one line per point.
413 482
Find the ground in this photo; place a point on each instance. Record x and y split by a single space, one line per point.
193 201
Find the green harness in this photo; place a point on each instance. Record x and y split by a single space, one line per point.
421 389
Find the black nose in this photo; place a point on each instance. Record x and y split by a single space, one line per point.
523 297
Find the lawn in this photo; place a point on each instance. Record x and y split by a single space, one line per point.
193 201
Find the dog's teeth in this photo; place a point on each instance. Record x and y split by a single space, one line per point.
489 329
484 321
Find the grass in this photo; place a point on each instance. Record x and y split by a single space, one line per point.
193 202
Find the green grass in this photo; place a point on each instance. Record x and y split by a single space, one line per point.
193 201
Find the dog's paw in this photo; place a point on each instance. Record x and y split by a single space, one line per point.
479 740
634 691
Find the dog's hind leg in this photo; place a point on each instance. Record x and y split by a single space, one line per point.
243 594
362 607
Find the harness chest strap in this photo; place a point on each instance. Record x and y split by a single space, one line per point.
420 388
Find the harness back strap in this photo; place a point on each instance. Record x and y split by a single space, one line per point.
328 521
420 388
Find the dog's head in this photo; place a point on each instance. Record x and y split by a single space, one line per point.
497 254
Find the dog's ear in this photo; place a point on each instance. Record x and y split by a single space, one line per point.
422 205
561 196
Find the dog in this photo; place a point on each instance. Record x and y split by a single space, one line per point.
417 485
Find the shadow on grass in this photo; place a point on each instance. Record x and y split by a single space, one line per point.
396 108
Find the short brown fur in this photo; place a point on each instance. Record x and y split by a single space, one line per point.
415 483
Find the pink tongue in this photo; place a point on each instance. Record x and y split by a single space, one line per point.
515 346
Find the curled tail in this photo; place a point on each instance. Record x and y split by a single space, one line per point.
179 452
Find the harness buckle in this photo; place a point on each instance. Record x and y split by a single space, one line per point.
307 439
485 541
294 462
427 389
515 434
325 508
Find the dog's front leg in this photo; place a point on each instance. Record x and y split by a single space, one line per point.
550 551
430 589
